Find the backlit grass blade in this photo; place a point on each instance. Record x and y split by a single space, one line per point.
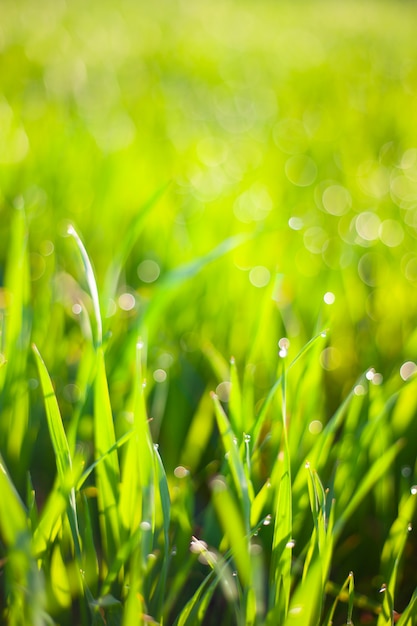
164 517
195 610
137 498
342 594
280 576
351 592
236 466
59 441
92 285
305 604
107 472
232 525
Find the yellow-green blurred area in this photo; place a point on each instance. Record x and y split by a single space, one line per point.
294 122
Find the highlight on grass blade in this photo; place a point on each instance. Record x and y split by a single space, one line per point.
91 282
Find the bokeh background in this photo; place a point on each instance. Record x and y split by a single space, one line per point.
293 123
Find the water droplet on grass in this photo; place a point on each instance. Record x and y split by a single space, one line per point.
181 471
315 427
290 543
267 520
159 375
407 369
329 297
413 490
359 390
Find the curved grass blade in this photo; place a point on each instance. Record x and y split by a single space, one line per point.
92 285
59 443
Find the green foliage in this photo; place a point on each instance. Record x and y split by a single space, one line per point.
178 185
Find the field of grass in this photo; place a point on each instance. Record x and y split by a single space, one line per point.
208 304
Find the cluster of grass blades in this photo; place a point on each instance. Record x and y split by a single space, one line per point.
116 540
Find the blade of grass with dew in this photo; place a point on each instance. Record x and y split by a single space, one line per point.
233 527
341 594
161 487
351 592
137 501
392 553
235 463
196 608
108 473
321 544
260 418
280 576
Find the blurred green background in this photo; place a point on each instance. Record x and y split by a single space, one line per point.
293 122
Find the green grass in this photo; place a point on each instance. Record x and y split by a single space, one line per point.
207 313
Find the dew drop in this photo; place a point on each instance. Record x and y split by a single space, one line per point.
329 297
406 471
359 390
413 490
267 520
290 543
410 527
370 373
181 471
307 465
246 438
156 446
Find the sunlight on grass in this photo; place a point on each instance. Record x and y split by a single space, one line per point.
177 186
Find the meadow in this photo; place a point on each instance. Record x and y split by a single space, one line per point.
208 347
